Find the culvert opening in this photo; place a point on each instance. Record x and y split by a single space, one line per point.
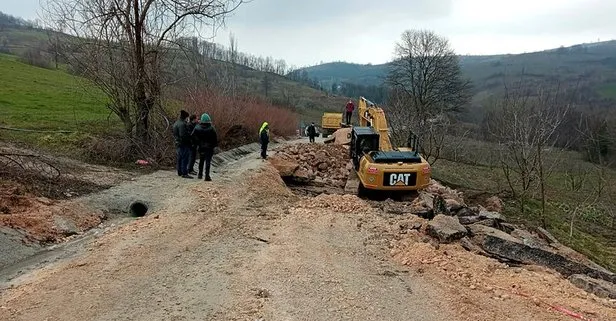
138 209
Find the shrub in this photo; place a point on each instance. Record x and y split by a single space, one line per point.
239 115
34 57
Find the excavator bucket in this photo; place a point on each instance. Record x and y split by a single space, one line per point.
340 137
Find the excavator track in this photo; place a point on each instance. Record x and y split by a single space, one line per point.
352 184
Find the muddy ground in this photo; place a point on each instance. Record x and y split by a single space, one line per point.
245 247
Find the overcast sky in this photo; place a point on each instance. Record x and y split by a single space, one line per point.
306 32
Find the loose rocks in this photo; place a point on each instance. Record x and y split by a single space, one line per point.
305 163
446 228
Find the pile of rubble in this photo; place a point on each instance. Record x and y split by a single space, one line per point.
336 203
317 164
485 231
42 220
480 229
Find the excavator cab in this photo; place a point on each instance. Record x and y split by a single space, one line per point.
364 140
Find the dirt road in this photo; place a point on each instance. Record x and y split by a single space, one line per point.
224 251
243 247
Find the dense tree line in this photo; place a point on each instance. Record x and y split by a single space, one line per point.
377 94
231 54
8 21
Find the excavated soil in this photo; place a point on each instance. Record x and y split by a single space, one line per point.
245 247
38 199
490 290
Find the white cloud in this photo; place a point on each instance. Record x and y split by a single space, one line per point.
365 31
309 31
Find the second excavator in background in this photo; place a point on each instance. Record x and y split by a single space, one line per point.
378 165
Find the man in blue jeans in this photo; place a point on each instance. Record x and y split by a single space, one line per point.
183 143
192 122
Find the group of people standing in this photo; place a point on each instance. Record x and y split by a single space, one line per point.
194 135
197 135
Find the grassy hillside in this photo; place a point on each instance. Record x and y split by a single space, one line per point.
306 100
34 98
475 169
49 100
17 40
43 99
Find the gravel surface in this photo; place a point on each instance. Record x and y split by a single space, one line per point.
244 247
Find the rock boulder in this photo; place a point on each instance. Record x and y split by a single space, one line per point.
285 168
446 228
502 245
492 216
600 288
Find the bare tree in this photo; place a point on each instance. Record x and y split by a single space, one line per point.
266 84
54 46
524 123
123 46
596 138
427 85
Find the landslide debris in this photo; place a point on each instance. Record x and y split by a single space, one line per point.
479 229
315 165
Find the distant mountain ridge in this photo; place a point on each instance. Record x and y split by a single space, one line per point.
592 65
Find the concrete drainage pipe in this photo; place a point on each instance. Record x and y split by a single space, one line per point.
138 209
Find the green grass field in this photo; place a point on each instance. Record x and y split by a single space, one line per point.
607 91
43 99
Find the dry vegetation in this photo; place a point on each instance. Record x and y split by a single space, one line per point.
238 118
579 206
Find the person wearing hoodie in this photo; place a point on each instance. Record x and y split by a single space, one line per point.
182 144
205 136
264 139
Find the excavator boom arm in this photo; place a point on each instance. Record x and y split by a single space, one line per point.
370 115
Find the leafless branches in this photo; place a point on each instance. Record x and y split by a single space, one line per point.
427 85
126 47
22 164
524 122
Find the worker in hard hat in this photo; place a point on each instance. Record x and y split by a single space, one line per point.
206 138
264 139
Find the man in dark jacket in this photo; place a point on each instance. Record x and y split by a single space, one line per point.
182 144
207 140
192 122
264 139
312 132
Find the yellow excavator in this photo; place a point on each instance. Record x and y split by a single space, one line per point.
378 165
